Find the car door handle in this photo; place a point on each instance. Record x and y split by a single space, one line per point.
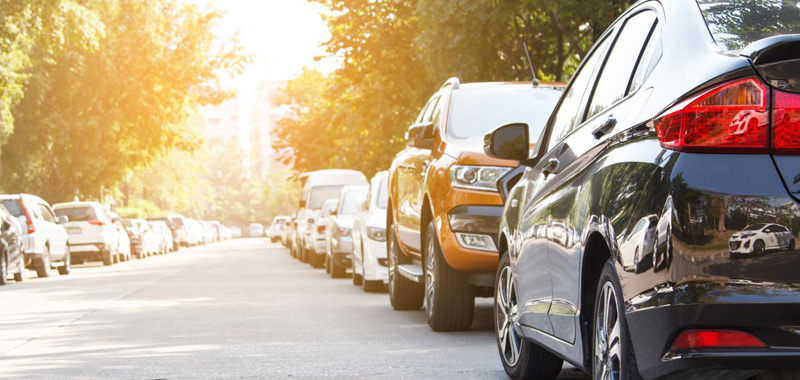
409 167
551 167
604 128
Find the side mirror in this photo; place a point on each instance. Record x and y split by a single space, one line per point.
302 203
509 142
421 135
62 219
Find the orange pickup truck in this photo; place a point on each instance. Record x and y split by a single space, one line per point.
444 208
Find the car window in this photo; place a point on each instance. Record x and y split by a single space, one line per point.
622 60
321 194
350 202
429 111
652 54
568 112
383 194
77 214
14 206
47 215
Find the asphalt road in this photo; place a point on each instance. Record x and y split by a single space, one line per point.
241 309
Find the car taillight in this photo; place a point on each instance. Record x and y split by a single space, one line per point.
786 118
97 222
28 219
701 339
732 117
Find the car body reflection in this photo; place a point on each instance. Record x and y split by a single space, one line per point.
758 239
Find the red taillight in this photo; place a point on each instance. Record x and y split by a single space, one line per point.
732 117
28 219
700 339
97 222
786 118
320 229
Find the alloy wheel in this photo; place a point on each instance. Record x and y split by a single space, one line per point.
608 345
430 268
390 263
505 310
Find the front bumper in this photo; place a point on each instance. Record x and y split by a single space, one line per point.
476 221
767 310
320 244
375 260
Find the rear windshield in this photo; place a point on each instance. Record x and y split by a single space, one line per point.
476 111
77 214
734 24
14 206
351 200
178 222
321 194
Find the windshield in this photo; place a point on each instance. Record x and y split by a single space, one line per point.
77 214
476 111
383 194
321 194
736 23
351 200
755 227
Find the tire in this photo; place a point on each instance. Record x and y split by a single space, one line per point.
521 359
758 248
64 269
449 298
3 269
404 294
108 259
337 271
608 306
20 275
43 264
317 261
792 245
636 261
358 278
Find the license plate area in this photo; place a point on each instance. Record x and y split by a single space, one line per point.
73 230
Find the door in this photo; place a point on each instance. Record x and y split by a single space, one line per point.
410 170
600 116
56 234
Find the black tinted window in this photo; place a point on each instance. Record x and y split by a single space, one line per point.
736 23
621 62
570 109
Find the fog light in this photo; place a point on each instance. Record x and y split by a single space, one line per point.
476 241
699 339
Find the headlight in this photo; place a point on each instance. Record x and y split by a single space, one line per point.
376 233
748 235
477 177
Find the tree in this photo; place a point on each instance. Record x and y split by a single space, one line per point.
89 117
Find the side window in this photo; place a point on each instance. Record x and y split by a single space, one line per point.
569 110
429 111
616 74
47 215
652 54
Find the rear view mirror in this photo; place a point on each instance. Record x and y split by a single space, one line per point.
509 142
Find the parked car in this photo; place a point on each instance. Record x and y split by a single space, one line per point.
321 226
123 241
196 232
757 239
144 241
286 233
369 236
44 239
12 258
92 235
339 232
318 187
178 228
276 228
236 232
644 128
163 236
638 246
256 230
442 175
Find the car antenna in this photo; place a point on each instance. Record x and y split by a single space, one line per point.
530 64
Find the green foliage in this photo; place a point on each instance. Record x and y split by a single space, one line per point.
396 53
90 116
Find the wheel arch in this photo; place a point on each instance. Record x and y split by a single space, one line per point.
596 254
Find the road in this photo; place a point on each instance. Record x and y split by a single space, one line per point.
240 309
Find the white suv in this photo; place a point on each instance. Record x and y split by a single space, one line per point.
369 236
92 234
44 240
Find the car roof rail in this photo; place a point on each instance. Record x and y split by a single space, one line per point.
454 81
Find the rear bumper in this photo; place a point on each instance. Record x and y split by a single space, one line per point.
768 311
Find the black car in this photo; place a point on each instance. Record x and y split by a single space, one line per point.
680 129
12 260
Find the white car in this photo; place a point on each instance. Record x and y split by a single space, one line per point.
144 241
339 232
44 239
321 224
639 244
256 230
163 236
277 226
369 236
757 239
91 233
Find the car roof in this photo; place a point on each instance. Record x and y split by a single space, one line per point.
327 177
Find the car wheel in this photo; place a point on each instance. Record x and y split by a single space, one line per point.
613 351
66 267
3 269
521 359
20 275
449 298
358 278
404 294
43 266
327 264
108 258
317 261
791 245
636 261
758 248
